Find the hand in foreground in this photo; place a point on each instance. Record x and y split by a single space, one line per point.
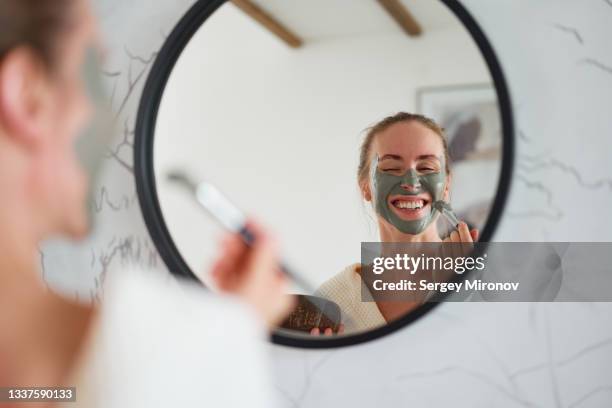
462 235
252 274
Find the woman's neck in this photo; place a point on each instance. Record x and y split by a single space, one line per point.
36 323
389 233
392 310
41 331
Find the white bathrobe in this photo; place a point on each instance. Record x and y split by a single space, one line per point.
163 343
345 289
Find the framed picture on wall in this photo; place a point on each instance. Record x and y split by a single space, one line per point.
470 116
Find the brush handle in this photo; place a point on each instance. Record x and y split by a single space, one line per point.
446 210
249 239
227 214
451 217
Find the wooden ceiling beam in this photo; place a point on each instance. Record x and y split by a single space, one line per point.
268 22
402 16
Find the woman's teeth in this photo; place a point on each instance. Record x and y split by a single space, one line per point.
412 205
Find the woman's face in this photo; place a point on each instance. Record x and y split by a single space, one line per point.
407 175
59 178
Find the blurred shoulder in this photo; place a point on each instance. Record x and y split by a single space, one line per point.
152 326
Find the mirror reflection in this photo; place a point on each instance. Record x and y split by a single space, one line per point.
334 123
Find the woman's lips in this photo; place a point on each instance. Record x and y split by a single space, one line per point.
410 207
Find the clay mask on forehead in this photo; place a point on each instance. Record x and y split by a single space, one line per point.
385 185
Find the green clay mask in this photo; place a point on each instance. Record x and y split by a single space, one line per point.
385 185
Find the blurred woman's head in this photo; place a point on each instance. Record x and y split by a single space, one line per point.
403 170
43 107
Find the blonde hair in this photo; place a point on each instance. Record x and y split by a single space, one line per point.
366 145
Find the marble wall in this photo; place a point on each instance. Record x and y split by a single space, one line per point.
557 59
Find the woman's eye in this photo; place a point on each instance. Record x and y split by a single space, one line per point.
390 170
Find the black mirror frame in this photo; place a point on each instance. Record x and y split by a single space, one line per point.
145 178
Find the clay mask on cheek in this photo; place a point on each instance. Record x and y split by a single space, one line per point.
385 185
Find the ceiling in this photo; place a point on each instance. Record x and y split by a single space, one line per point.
320 19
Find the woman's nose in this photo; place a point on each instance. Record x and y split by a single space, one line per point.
411 182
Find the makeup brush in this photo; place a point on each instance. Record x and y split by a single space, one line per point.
228 215
446 210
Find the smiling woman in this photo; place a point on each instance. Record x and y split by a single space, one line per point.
407 155
275 125
403 172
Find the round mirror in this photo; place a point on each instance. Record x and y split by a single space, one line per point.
304 114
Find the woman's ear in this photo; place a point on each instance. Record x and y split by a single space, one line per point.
22 95
447 187
366 192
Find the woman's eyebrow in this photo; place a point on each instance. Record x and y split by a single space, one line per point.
390 157
428 156
397 157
